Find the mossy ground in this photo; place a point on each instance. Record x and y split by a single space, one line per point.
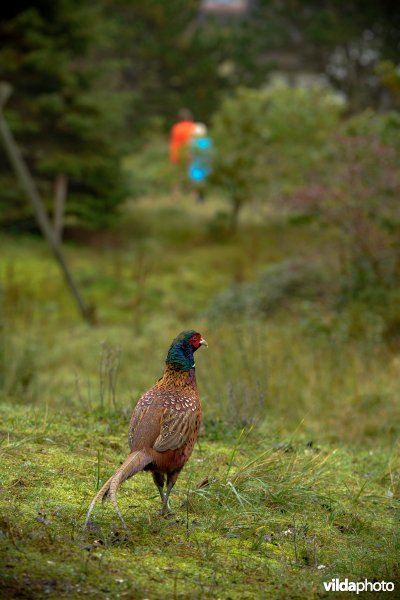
274 520
300 438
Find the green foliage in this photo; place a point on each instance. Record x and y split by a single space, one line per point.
356 190
390 78
149 170
277 287
171 59
348 181
266 139
64 112
345 43
90 77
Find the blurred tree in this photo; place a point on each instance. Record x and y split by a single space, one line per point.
266 141
355 190
390 77
344 41
63 112
88 75
171 58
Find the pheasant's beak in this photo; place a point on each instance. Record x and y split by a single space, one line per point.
203 343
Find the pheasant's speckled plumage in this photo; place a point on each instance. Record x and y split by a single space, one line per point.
164 425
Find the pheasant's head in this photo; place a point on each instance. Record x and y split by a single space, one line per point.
180 354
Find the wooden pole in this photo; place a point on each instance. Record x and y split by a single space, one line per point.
60 195
27 183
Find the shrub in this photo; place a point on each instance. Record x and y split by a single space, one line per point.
266 139
277 287
356 192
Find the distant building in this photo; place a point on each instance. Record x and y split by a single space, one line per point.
224 6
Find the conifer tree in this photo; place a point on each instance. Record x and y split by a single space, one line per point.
63 111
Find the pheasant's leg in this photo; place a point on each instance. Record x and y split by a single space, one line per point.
159 480
171 480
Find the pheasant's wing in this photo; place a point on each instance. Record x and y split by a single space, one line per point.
176 428
145 425
141 410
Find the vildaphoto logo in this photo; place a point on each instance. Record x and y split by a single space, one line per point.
336 585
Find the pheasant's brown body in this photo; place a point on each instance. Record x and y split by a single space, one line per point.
163 430
166 421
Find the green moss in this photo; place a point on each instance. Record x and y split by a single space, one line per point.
266 521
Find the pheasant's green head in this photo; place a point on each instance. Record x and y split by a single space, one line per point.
180 354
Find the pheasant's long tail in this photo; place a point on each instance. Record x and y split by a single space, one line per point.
135 462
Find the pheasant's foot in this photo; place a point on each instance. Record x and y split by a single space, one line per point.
166 512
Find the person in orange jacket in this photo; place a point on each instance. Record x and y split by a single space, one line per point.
181 134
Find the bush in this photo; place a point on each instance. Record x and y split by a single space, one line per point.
356 192
265 140
149 170
277 287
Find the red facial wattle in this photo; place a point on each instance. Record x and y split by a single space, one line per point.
195 340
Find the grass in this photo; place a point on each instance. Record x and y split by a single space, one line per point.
309 512
296 477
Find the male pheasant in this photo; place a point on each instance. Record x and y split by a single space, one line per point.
164 425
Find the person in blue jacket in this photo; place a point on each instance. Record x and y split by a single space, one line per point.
200 152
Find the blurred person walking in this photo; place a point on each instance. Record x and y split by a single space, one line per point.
200 151
181 134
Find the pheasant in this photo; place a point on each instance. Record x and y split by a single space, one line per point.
164 425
